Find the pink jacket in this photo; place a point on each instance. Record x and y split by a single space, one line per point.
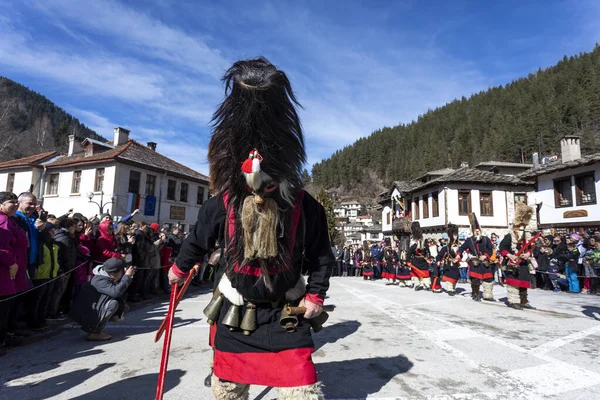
105 245
13 250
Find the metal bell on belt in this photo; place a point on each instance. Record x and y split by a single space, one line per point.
232 318
249 322
213 307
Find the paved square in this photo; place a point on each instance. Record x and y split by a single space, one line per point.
381 342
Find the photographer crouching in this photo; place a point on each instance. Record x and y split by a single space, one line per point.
101 299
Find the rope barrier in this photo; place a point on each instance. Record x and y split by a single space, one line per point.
64 274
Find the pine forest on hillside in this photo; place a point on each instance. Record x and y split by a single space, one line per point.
506 123
31 124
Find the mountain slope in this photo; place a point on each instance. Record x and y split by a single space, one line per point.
30 123
505 123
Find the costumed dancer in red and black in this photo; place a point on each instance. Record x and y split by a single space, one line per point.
447 259
436 268
367 266
517 268
390 259
417 259
479 249
272 232
403 271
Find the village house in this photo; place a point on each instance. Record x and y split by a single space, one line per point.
566 190
115 177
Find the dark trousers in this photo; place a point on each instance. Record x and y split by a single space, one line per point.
37 303
148 287
137 285
338 265
58 290
376 271
109 309
5 307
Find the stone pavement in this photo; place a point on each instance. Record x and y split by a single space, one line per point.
381 342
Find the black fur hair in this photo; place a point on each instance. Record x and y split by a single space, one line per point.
259 112
452 231
415 229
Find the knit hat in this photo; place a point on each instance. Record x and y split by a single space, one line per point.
102 216
575 236
113 265
155 227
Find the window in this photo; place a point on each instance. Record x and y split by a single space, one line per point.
150 185
426 206
464 202
388 218
585 189
520 198
52 187
76 184
562 193
435 205
183 192
134 182
10 183
171 189
99 182
486 204
416 210
200 195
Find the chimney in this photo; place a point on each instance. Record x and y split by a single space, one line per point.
152 146
535 160
121 136
569 148
464 164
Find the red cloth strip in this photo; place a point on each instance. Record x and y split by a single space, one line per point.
265 369
487 275
179 273
314 298
448 279
518 283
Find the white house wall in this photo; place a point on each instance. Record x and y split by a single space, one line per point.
23 180
431 221
59 204
549 214
191 208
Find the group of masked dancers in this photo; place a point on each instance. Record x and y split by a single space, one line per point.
424 267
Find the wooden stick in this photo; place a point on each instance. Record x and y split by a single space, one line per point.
182 291
160 388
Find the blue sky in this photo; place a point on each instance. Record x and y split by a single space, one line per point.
154 66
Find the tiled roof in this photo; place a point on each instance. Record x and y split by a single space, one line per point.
404 186
373 228
34 160
138 153
471 175
133 152
560 166
503 164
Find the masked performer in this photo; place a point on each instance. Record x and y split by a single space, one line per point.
403 271
479 249
367 266
447 258
390 258
271 232
417 259
517 268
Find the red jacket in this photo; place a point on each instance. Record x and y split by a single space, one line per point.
106 244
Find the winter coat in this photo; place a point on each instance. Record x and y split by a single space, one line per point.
13 250
94 295
105 244
175 243
28 225
67 253
48 268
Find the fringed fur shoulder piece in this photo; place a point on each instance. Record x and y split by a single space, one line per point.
523 215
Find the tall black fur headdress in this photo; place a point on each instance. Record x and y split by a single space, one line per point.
256 153
259 112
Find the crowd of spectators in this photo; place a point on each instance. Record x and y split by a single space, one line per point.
562 262
46 260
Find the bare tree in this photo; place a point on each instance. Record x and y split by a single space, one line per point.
6 130
42 127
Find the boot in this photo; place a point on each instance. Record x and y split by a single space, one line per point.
208 378
475 292
98 337
515 306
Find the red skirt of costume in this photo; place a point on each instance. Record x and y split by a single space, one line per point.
389 271
403 273
481 271
451 273
520 277
260 358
